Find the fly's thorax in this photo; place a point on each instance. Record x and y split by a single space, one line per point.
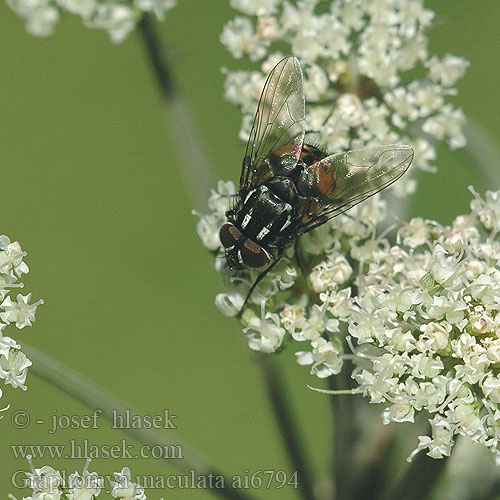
267 211
310 176
284 189
282 161
287 161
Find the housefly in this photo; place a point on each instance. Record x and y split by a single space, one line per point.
288 187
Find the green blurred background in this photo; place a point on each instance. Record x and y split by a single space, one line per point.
92 190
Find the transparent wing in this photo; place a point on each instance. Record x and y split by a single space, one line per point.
279 120
359 174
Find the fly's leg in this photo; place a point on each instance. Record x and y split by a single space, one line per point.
231 210
259 278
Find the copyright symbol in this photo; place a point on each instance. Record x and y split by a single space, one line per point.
20 419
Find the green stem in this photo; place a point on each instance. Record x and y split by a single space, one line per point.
95 397
376 472
344 437
289 429
484 150
180 123
492 493
420 478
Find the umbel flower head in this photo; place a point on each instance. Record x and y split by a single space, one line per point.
359 61
426 325
419 312
118 18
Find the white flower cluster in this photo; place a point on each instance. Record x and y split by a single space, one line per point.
118 18
357 57
427 326
49 484
420 313
13 363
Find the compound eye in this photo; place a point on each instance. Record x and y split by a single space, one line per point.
254 255
229 235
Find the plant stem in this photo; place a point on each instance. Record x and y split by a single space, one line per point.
95 397
420 478
493 492
344 437
180 124
484 150
289 429
376 473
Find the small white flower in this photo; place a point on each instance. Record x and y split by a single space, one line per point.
447 70
208 228
229 304
320 277
443 267
158 7
45 482
14 368
124 488
399 412
435 336
341 270
366 323
488 209
22 313
268 28
491 388
11 257
253 7
481 323
240 39
326 359
265 333
42 20
86 486
414 233
117 19
441 442
485 289
6 344
447 125
317 323
83 8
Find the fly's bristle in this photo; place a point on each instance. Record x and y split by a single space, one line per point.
311 140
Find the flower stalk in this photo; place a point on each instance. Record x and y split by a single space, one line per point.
345 438
180 123
420 479
287 424
94 397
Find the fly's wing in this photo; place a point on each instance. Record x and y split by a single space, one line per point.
279 120
359 174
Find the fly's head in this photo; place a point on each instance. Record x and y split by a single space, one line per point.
240 251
